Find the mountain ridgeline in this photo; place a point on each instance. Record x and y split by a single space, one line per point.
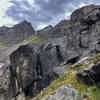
32 60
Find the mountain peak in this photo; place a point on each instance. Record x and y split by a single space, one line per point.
23 23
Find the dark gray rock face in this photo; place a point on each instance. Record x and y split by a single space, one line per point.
84 35
54 32
11 36
33 70
15 34
4 81
33 66
81 31
68 53
91 75
64 93
45 33
23 70
58 30
90 12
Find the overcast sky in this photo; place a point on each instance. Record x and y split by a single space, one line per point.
39 12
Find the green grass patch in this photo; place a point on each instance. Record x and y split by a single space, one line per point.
78 66
65 79
32 39
37 40
4 46
69 26
65 27
95 92
95 58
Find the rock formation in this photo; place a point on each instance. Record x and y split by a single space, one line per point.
63 92
90 75
35 65
10 36
15 34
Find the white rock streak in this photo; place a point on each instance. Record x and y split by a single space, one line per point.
1 64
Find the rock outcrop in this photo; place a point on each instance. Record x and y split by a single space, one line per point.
35 65
64 93
45 33
90 75
33 70
88 13
10 36
15 34
81 31
58 30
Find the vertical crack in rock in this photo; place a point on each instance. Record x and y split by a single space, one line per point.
27 71
59 55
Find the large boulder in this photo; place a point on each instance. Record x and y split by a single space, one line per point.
32 69
64 93
90 75
23 70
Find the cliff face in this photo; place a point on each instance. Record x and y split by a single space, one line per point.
15 34
82 31
34 66
11 37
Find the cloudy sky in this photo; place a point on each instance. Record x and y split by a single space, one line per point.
39 12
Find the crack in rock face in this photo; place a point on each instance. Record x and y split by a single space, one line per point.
34 65
29 71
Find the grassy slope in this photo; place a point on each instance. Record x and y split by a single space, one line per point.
92 92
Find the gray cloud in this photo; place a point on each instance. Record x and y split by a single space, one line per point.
45 12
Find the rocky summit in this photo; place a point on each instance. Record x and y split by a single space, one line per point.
60 62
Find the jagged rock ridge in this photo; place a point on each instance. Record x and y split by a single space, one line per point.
15 34
33 66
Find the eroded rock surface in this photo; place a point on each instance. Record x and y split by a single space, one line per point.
45 33
33 70
4 81
33 66
91 75
15 34
64 93
10 38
